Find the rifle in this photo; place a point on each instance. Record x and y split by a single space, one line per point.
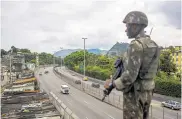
151 31
119 66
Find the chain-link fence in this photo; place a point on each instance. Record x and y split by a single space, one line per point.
117 100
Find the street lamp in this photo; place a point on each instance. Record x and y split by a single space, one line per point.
62 60
84 55
54 58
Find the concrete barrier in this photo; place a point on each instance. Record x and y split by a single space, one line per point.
61 107
89 78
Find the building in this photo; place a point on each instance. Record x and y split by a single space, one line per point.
177 56
17 62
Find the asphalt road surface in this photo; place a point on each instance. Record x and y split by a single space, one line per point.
83 105
157 110
87 107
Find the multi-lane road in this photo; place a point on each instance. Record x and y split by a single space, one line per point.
86 106
83 105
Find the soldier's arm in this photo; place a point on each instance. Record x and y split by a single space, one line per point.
131 66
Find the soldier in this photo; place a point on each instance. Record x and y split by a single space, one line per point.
140 68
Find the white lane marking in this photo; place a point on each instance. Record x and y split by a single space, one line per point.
109 115
101 111
86 102
69 102
86 117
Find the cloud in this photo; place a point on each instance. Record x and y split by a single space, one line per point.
47 26
172 10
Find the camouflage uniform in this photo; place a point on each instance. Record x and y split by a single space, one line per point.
136 82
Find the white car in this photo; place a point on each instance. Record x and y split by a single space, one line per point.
171 104
65 89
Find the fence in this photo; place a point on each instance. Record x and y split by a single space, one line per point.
113 99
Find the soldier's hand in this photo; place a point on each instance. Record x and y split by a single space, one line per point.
108 87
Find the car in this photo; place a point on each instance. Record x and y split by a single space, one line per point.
77 82
95 85
171 104
85 79
46 72
65 89
40 73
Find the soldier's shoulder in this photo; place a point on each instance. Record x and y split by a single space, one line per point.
136 45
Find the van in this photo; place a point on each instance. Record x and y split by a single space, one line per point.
65 89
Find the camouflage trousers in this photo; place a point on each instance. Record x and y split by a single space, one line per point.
136 104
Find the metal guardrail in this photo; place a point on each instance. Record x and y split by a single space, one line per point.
113 99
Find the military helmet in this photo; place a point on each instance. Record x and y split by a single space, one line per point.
136 17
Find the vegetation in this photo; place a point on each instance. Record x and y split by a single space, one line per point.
167 85
30 57
166 62
101 67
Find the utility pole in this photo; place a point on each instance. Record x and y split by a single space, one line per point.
61 57
10 65
10 68
84 55
61 61
37 60
53 59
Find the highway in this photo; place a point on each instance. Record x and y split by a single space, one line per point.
83 105
157 110
87 107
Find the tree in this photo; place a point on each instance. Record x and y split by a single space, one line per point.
25 50
33 61
45 58
29 57
172 49
166 62
13 49
3 52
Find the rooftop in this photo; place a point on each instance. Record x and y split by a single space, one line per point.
64 86
28 105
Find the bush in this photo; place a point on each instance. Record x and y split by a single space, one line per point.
97 72
168 87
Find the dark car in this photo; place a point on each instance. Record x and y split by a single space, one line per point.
95 85
40 73
171 104
46 72
77 82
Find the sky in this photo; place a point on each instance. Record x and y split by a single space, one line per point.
46 26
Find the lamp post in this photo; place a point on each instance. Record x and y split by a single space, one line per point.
84 55
61 57
10 64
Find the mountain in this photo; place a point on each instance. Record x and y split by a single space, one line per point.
66 52
97 51
118 49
